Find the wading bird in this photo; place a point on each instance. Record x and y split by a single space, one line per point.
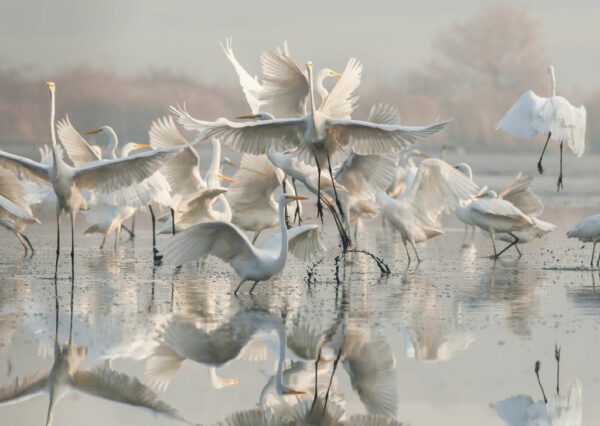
229 243
588 231
103 176
553 116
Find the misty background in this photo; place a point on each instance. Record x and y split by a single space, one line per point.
122 63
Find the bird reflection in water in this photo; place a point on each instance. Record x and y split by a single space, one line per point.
65 376
521 410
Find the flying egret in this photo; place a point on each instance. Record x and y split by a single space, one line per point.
588 231
437 187
67 181
318 134
553 116
15 212
229 243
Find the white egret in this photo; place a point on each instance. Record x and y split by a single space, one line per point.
15 212
494 215
318 134
252 195
553 116
588 231
110 210
197 210
436 188
101 176
229 243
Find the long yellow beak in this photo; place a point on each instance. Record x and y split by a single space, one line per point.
247 117
50 84
93 132
142 145
296 197
227 179
293 392
336 74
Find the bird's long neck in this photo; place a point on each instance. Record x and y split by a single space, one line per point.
313 107
552 80
323 93
212 177
55 153
282 349
284 240
113 143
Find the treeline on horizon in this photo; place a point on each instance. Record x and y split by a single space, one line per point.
478 69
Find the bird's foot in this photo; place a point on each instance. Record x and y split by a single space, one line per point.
157 257
559 183
320 210
540 168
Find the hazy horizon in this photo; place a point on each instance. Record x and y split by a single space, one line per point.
181 36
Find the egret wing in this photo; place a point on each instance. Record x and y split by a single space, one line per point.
566 122
340 102
367 174
78 150
30 169
384 114
372 420
220 239
437 186
24 388
285 87
499 207
371 366
521 195
112 175
250 137
522 119
372 138
111 385
250 85
12 189
255 182
304 242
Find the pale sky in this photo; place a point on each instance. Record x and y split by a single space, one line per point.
390 37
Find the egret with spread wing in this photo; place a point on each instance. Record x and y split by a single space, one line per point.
229 243
553 116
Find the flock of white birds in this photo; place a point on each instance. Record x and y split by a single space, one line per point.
298 132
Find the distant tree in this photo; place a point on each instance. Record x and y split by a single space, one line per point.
479 67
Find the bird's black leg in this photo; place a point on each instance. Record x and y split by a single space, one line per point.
539 164
518 250
335 364
559 184
316 377
557 357
57 240
129 231
516 241
238 287
407 252
172 220
337 200
297 211
288 225
597 260
493 234
537 373
593 252
29 244
319 204
416 252
157 258
133 226
253 285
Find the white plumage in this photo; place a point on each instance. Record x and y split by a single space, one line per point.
588 231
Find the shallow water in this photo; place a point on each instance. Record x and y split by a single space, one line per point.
463 331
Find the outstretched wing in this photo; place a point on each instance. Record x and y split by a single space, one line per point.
255 182
521 195
367 174
250 137
371 366
522 119
182 171
112 175
23 388
285 87
12 189
371 138
30 169
566 122
340 102
220 239
304 242
78 150
111 385
438 186
250 85
384 114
